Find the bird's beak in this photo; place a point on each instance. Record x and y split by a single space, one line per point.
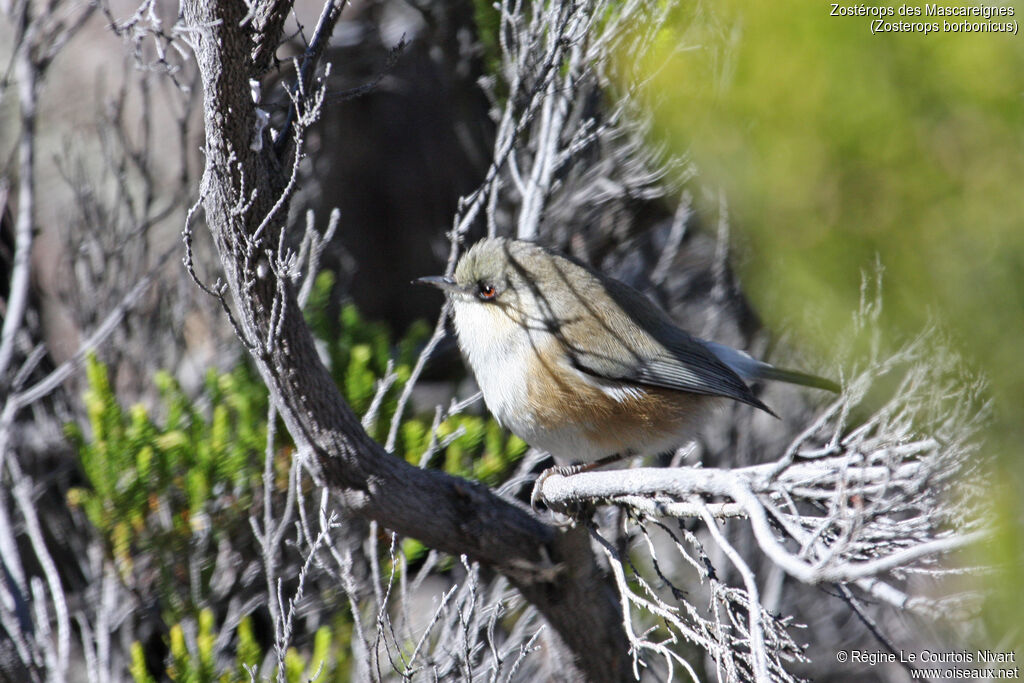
439 281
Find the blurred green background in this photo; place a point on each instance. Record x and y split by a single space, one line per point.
834 145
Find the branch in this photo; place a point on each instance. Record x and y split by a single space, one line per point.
851 504
659 487
308 64
444 512
28 74
267 24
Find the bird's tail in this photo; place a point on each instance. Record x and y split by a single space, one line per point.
748 367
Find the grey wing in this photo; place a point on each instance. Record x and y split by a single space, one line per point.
748 367
633 341
685 365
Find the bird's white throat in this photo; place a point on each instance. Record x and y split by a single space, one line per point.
496 347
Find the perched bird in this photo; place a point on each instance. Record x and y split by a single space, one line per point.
583 366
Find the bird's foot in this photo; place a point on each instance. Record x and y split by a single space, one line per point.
578 509
537 497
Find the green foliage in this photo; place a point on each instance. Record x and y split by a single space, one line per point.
835 144
138 670
166 485
154 487
193 660
487 18
196 664
248 653
358 351
480 449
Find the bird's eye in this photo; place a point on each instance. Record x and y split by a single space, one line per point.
486 291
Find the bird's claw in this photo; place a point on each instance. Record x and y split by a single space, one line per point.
537 496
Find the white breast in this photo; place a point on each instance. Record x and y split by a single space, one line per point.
496 348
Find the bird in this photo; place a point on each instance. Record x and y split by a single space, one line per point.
583 366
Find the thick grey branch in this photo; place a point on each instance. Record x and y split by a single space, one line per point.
240 186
